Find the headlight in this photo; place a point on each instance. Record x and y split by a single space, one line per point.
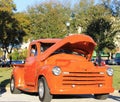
56 70
110 71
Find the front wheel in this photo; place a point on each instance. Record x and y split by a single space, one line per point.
43 91
101 96
13 89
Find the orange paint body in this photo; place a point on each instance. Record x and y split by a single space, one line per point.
72 55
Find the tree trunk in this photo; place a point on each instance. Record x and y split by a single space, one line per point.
99 58
10 60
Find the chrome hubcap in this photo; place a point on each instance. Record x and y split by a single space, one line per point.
41 89
12 84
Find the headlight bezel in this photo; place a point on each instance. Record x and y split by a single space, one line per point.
110 71
56 70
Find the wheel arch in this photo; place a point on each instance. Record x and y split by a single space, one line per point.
40 76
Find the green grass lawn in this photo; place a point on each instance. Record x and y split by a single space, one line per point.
116 77
5 74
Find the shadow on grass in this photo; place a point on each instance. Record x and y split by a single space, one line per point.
3 85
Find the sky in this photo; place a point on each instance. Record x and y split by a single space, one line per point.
22 5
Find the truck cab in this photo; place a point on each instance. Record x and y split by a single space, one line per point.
62 67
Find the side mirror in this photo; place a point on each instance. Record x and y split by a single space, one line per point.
23 61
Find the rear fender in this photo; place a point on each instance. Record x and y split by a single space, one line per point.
18 75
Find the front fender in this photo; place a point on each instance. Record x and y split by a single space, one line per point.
46 72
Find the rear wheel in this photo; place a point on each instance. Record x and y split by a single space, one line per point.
43 91
13 89
101 96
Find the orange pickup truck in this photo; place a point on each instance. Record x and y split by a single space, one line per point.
62 67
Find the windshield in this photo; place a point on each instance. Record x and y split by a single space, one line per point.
45 46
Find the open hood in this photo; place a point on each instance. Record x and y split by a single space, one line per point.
80 42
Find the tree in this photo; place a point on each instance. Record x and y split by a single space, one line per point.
100 31
48 20
96 22
116 29
84 13
10 32
113 5
8 6
24 25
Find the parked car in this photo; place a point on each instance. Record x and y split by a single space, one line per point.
8 64
106 61
17 62
112 62
4 64
95 61
117 58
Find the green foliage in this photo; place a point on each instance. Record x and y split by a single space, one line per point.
99 29
106 50
8 5
19 55
15 55
96 22
10 31
113 5
48 20
24 23
90 13
23 54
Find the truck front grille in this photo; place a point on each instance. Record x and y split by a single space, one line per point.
83 78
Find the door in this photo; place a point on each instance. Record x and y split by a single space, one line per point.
31 66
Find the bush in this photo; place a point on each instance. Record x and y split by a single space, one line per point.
19 55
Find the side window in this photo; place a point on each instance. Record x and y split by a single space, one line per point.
33 51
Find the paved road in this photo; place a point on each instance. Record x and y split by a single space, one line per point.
6 96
